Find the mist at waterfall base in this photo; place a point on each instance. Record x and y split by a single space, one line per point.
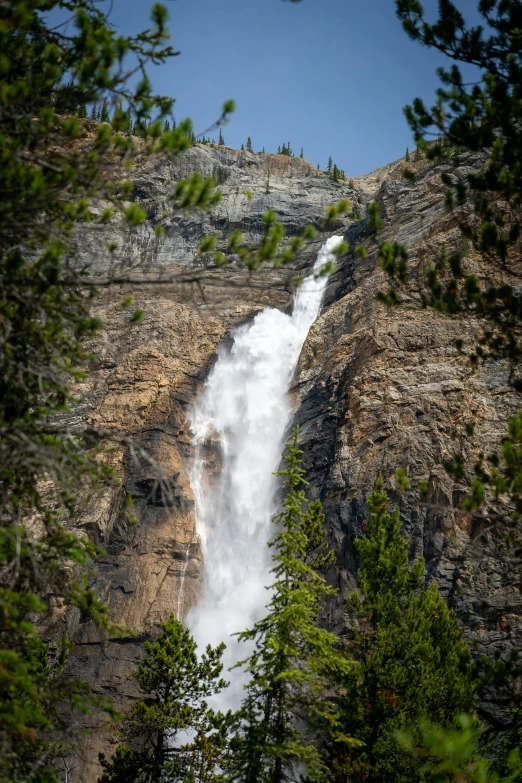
245 408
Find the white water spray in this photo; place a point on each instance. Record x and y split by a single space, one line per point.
245 407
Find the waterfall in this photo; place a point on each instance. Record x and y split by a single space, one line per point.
182 581
245 407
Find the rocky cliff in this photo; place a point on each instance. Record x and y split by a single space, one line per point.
379 389
146 378
375 389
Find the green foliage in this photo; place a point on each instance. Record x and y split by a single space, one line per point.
455 754
171 732
480 117
374 218
412 662
221 141
509 746
104 114
329 167
294 660
402 479
286 149
483 117
249 145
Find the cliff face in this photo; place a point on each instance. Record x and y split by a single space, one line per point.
375 389
379 389
146 378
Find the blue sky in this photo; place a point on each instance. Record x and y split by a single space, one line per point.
330 76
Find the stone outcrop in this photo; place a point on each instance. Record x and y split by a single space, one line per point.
375 389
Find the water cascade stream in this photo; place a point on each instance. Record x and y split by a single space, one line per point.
245 407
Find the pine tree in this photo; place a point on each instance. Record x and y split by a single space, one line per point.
263 150
279 150
249 145
329 168
335 173
318 167
407 156
302 154
118 114
128 121
138 128
166 126
412 661
221 141
293 659
243 147
82 111
171 733
104 112
94 112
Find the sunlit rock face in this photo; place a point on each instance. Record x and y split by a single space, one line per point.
375 389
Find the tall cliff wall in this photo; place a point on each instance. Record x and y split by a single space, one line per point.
379 389
146 378
375 389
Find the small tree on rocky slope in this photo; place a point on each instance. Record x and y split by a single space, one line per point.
412 662
171 733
